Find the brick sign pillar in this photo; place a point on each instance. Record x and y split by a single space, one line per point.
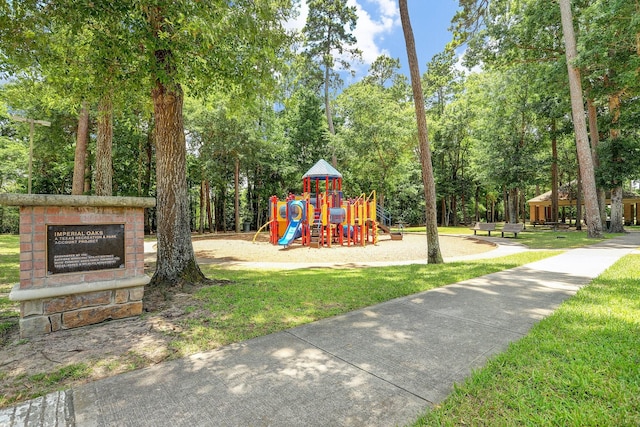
81 260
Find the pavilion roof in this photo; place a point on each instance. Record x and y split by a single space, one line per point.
569 192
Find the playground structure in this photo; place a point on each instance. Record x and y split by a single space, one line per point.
322 216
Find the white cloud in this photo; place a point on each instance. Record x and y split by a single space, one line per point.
381 19
459 65
388 7
300 20
370 29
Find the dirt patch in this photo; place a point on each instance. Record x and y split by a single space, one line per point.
108 348
225 252
118 346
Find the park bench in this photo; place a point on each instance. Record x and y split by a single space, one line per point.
484 226
512 228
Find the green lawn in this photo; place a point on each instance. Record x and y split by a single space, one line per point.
548 239
534 238
586 352
9 275
9 259
256 303
578 367
261 302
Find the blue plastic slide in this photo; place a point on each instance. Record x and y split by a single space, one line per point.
294 228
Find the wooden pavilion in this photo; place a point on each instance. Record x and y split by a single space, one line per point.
540 206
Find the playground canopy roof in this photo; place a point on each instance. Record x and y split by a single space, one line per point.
322 169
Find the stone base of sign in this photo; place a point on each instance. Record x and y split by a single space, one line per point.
51 302
51 309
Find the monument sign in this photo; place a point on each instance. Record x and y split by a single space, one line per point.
84 247
81 260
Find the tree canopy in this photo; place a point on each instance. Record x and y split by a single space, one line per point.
214 107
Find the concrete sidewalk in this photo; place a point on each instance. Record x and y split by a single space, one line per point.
379 366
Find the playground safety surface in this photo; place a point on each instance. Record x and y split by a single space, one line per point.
239 250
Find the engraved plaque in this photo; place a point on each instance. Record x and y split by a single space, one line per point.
73 248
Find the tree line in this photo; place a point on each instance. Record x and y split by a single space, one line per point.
212 108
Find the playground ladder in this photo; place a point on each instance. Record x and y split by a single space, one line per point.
315 234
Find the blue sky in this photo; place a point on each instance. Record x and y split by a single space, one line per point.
379 29
430 20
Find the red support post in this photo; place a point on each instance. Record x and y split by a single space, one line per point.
273 227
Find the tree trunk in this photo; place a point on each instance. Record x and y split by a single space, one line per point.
554 172
81 150
454 210
595 140
505 204
141 150
617 224
145 158
236 197
250 202
617 209
151 138
465 210
327 111
176 261
513 205
87 172
493 210
487 211
594 223
202 207
255 205
209 214
176 264
579 202
216 211
104 162
146 163
476 204
433 244
220 209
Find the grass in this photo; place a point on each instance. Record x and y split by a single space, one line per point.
531 237
548 239
9 260
9 275
257 303
262 302
43 383
580 366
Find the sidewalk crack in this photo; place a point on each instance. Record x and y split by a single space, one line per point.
335 356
